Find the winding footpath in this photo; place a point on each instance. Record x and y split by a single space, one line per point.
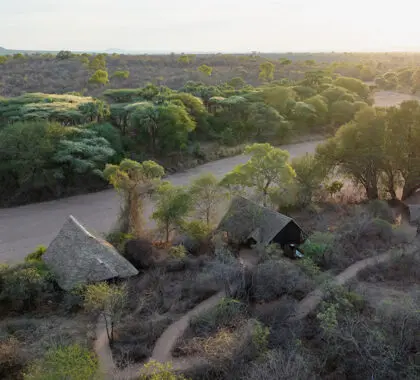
165 344
23 228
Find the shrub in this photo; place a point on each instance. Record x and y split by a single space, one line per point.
317 245
227 313
380 209
160 371
140 253
196 230
118 239
260 336
71 362
9 359
280 364
275 278
36 255
177 252
24 286
108 301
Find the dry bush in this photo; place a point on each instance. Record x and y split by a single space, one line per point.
280 364
380 342
10 361
140 253
403 271
275 278
227 313
136 338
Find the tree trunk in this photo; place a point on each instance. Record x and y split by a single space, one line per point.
134 213
167 232
372 192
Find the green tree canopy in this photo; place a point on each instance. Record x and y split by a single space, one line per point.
173 204
267 167
133 180
206 70
99 77
267 71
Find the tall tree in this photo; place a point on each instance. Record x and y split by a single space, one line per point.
267 71
206 194
173 203
164 127
268 167
133 180
206 70
358 150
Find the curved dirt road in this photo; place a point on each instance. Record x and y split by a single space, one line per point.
23 228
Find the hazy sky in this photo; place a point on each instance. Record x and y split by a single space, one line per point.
211 25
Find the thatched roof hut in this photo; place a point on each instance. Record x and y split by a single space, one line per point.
246 221
76 257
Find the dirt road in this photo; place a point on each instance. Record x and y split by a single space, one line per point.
23 228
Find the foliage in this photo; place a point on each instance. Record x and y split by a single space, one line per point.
260 336
99 77
269 286
25 286
64 109
178 252
98 62
163 127
316 245
64 54
71 362
173 203
225 314
354 85
133 180
36 255
267 167
206 194
267 71
334 187
108 301
121 74
206 70
160 371
309 175
196 230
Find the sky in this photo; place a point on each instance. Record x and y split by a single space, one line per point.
211 25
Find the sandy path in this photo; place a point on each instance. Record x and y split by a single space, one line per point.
312 300
167 341
23 228
162 351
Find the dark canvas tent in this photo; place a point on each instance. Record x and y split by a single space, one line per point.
414 213
247 221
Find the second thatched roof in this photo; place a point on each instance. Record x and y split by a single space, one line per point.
245 220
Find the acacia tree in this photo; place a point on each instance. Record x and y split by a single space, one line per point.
403 141
206 70
267 167
309 175
206 194
173 203
133 180
267 71
99 77
108 301
358 150
165 126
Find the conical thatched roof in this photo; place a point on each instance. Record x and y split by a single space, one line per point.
246 219
414 213
77 257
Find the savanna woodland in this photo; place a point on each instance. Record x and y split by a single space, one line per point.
208 299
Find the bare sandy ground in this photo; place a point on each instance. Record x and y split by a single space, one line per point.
391 98
24 228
